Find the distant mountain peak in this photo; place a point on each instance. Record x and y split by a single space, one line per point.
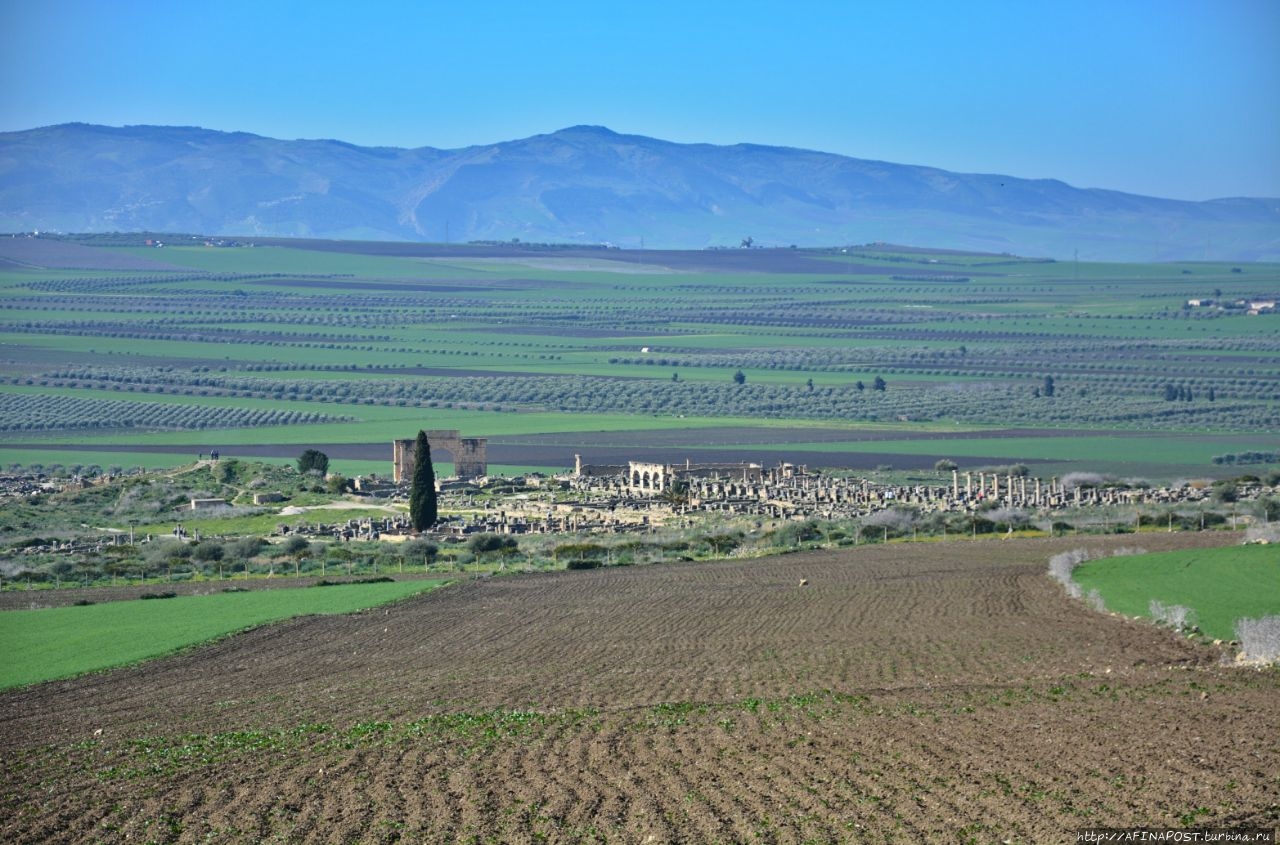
586 129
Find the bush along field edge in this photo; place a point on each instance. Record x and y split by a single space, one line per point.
1256 639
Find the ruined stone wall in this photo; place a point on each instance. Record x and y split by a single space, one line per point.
470 459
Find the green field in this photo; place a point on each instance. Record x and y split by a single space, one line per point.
286 346
40 645
1081 448
1220 585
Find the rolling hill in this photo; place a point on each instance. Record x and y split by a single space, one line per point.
589 185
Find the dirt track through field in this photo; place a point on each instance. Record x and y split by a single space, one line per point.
916 692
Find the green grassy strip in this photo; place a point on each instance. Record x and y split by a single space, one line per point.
259 524
1149 448
87 456
41 645
1220 585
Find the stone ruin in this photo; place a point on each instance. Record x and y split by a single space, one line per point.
469 458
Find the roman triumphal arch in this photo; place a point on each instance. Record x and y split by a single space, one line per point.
469 460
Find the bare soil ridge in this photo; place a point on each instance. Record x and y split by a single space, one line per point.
909 693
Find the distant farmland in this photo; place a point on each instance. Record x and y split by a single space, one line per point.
985 359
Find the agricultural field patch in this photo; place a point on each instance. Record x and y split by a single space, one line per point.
1221 586
900 695
65 641
558 457
44 253
1110 449
49 414
706 260
523 340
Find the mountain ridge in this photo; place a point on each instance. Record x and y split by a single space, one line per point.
588 184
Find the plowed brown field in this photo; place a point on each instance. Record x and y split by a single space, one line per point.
908 693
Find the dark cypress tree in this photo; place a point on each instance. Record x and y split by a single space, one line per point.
422 495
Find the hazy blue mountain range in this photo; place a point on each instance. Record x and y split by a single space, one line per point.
587 184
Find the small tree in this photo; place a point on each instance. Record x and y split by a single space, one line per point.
878 384
313 459
722 544
945 465
422 548
61 569
297 547
1225 492
208 552
1047 390
899 520
1010 517
676 493
739 377
245 550
482 544
579 555
423 507
247 547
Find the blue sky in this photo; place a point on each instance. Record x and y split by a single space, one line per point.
1173 98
